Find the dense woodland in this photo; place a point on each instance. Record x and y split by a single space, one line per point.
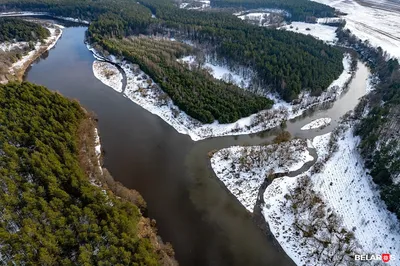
12 29
379 130
286 62
302 10
50 213
195 92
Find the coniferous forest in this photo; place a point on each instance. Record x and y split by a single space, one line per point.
20 30
50 212
286 62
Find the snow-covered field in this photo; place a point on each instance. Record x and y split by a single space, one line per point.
109 74
196 5
240 78
380 27
319 31
317 123
244 169
263 17
8 46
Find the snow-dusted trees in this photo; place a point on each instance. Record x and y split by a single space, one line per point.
319 228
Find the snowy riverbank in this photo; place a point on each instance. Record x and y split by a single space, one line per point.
18 68
142 90
339 185
243 169
323 216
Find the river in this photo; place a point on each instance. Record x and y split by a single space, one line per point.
194 211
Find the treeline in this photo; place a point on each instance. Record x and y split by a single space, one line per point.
379 130
195 92
50 213
286 62
301 10
21 31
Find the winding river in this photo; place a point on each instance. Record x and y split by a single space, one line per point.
194 211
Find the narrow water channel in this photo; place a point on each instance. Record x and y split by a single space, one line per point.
194 211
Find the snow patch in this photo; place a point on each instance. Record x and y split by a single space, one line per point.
319 31
109 74
98 148
317 123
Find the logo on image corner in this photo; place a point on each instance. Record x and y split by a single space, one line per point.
385 257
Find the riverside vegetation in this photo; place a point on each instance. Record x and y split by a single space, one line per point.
52 214
21 36
379 129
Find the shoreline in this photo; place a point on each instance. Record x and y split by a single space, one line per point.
19 68
90 158
157 102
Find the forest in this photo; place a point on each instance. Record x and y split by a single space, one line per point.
300 10
51 213
379 130
195 92
12 29
286 62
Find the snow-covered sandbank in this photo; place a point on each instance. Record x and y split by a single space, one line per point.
109 74
244 169
317 123
322 32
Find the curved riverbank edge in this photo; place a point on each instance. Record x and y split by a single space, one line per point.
243 169
146 93
19 68
90 158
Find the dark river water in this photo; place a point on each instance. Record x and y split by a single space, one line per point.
194 211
